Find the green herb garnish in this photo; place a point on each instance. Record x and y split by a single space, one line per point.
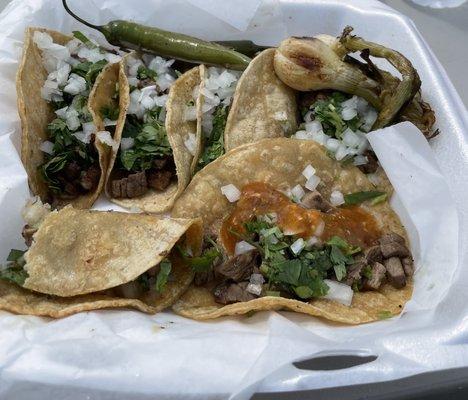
164 270
84 39
110 112
14 271
384 314
146 73
359 197
214 144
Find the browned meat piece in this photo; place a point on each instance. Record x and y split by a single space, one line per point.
160 163
306 99
378 275
159 180
372 163
240 267
90 178
133 185
27 234
314 200
391 237
354 272
373 254
395 273
393 245
231 292
408 266
202 278
72 171
70 190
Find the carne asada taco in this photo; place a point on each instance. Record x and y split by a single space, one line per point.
151 165
84 260
238 109
61 148
298 231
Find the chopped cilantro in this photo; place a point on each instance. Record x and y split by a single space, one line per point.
164 270
367 272
204 262
359 197
272 293
14 271
110 111
146 73
214 144
84 39
89 70
379 199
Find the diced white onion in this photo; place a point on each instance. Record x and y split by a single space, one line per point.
348 113
350 138
332 145
341 152
47 147
109 122
257 279
297 193
254 288
191 143
34 211
242 247
314 126
127 143
336 198
302 135
311 241
61 112
312 182
82 136
360 160
190 113
231 192
339 292
309 171
320 228
76 84
298 246
374 179
105 137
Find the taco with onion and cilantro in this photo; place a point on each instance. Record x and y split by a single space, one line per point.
64 153
297 231
81 260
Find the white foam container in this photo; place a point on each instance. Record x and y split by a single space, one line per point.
110 354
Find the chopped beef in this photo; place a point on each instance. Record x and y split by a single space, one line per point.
90 178
372 163
408 266
354 272
133 185
240 267
393 245
231 292
159 180
160 163
395 272
202 278
27 233
373 254
70 190
72 171
314 200
378 275
307 99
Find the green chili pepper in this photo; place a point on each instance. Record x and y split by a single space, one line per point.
169 44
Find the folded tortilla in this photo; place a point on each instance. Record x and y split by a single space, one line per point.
36 113
84 260
280 162
177 129
263 106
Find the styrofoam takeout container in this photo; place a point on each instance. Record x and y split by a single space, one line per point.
124 354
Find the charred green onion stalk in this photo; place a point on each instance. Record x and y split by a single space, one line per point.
169 44
323 62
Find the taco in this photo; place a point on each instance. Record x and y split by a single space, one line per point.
238 109
298 231
150 166
83 260
63 153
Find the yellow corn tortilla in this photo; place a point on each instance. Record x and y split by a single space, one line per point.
35 114
280 162
79 259
262 107
177 128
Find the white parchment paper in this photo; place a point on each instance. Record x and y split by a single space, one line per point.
125 354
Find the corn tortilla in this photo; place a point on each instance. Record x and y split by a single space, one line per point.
280 162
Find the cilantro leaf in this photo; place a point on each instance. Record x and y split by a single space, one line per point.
146 73
14 271
204 262
164 270
110 111
15 255
359 197
84 39
214 144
